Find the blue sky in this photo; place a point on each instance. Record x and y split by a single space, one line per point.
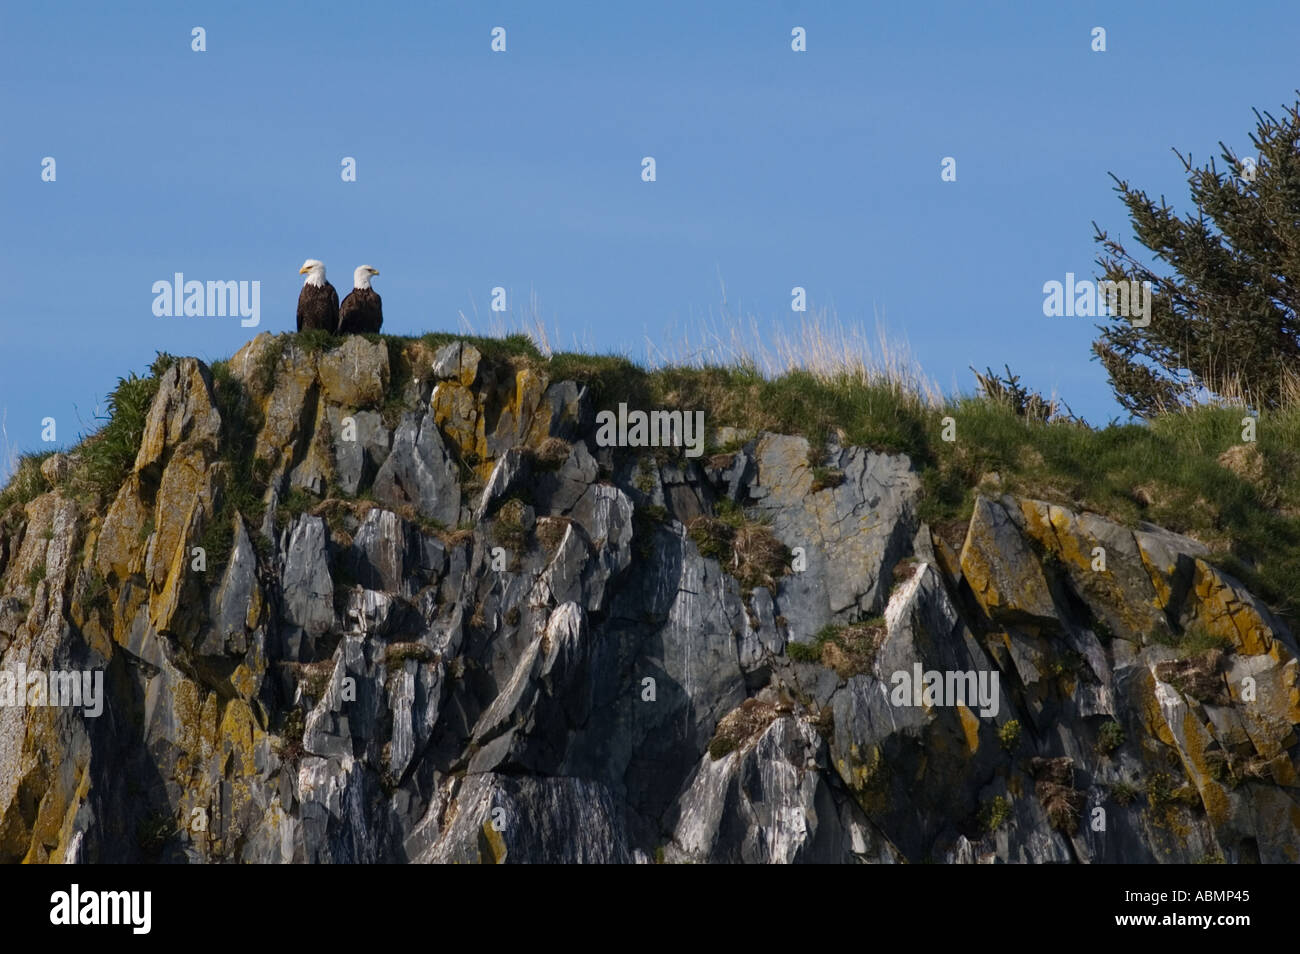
522 169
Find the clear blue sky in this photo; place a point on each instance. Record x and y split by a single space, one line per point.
522 169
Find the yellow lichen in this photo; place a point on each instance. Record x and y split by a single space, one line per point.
494 843
970 725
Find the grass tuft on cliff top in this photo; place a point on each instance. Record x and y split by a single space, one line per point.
1187 470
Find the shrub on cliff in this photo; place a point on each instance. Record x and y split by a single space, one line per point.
108 454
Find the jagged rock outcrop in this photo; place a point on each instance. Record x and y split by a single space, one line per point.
384 604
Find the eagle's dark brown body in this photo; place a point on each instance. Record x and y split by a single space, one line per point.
318 307
362 312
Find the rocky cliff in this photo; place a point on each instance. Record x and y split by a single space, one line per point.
379 603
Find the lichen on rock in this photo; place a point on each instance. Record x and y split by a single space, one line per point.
390 601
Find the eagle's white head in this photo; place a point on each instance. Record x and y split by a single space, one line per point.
315 272
361 277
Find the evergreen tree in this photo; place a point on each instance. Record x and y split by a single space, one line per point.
1225 318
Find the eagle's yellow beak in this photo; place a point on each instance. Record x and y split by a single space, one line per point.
374 271
304 270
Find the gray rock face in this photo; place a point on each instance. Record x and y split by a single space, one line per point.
882 720
771 803
588 669
360 445
327 732
851 535
509 474
421 472
504 818
566 411
389 554
307 588
457 361
544 699
560 491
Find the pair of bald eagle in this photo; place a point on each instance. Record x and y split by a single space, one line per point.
318 302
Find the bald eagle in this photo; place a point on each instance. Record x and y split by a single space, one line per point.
363 309
318 302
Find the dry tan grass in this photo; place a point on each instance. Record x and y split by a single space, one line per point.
833 351
528 322
837 353
1246 461
551 453
820 344
1054 786
741 726
852 649
1224 388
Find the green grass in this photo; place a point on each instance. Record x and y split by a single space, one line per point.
645 521
848 649
731 513
508 529
95 596
108 455
825 478
1009 735
1192 641
246 476
746 548
316 341
27 482
398 653
1166 471
645 480
1110 737
1163 791
1124 793
509 346
994 814
804 652
262 378
103 459
712 538
293 505
217 541
720 746
400 374
154 831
